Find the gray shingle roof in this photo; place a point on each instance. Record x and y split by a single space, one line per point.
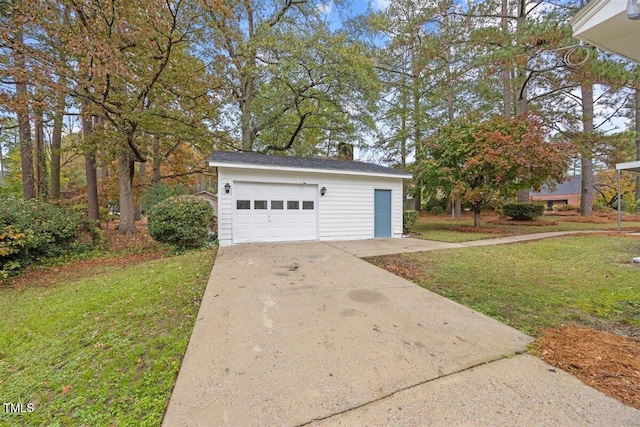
573 185
323 164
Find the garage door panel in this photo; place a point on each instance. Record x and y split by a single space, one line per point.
277 212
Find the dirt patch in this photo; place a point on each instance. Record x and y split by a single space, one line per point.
605 361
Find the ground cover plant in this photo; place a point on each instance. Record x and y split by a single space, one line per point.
100 341
586 281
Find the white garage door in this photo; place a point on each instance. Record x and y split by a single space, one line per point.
274 212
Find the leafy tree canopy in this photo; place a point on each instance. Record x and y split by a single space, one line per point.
480 162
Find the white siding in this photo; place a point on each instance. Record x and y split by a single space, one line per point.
345 212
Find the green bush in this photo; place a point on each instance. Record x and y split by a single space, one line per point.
182 221
525 211
409 219
34 230
437 210
568 208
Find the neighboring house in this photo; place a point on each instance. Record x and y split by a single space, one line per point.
612 25
211 198
265 198
565 193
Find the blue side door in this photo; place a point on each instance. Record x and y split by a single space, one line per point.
382 213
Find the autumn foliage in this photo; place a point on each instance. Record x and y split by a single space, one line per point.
33 230
483 162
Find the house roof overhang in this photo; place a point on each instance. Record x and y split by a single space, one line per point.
604 24
255 161
629 166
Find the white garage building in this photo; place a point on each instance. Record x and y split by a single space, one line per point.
265 198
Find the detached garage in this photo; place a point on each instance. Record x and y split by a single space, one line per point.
282 199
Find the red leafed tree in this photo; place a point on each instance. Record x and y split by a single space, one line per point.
483 162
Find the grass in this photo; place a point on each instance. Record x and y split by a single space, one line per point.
445 229
103 349
585 280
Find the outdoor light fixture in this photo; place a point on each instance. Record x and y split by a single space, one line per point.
632 10
227 188
323 191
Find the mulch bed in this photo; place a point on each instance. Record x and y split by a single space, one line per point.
605 361
534 223
472 229
400 266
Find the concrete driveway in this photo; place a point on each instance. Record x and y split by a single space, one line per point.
309 334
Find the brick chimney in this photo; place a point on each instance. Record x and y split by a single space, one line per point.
345 151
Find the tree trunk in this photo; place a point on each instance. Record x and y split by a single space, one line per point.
126 171
90 169
456 203
40 154
24 124
586 161
637 114
1 163
417 120
476 215
245 113
505 68
448 56
91 172
142 172
522 60
56 146
521 78
56 135
155 161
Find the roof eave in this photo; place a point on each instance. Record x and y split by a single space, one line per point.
404 175
586 13
629 166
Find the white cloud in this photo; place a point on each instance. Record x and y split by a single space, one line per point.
379 4
325 8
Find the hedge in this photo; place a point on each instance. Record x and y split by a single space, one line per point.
525 211
182 221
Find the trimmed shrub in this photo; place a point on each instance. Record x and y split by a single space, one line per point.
181 221
568 208
409 219
34 230
524 211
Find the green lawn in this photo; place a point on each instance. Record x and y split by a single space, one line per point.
103 350
443 228
587 280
